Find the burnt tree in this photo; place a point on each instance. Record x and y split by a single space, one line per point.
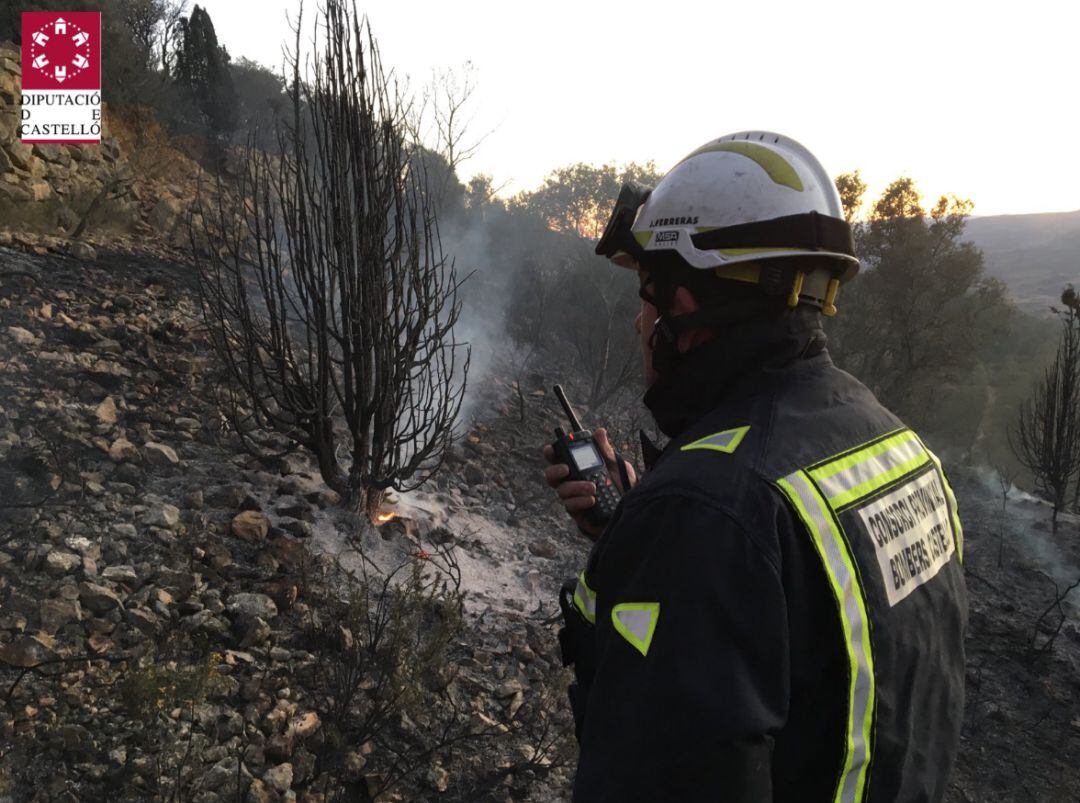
1046 437
324 283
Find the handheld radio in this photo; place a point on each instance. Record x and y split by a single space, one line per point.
579 451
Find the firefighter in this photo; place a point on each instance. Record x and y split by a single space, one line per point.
776 611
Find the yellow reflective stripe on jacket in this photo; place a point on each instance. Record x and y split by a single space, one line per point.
958 531
585 599
815 513
727 441
852 476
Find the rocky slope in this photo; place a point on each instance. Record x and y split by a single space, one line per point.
166 597
171 617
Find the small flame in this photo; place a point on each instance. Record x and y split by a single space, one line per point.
382 518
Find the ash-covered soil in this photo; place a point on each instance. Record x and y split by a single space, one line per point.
167 627
170 626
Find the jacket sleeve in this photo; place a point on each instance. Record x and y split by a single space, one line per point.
691 662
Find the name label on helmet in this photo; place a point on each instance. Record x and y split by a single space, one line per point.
667 236
673 221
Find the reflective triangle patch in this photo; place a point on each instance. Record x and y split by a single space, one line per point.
727 441
636 622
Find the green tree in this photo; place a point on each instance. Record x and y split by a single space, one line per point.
911 322
202 70
577 199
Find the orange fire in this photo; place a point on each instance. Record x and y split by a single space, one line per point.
382 518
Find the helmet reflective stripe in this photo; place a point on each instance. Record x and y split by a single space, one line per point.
726 441
778 168
819 520
636 622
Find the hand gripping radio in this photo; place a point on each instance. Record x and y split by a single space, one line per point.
579 451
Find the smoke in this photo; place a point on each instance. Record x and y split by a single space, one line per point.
1028 522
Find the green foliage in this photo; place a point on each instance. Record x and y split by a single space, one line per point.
202 69
910 325
577 199
260 100
154 688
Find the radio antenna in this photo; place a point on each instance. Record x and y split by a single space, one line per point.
567 408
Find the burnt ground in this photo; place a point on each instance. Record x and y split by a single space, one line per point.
120 488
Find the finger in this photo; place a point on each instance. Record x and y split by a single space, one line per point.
579 504
569 490
549 453
555 474
607 451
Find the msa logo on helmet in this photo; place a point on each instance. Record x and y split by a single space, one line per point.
667 237
673 221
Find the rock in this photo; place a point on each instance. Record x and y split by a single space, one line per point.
355 761
280 777
543 549
142 620
106 411
123 449
222 776
83 252
66 218
21 336
254 605
27 651
300 529
253 631
59 563
473 474
55 613
39 190
304 725
262 792
162 514
438 778
250 525
187 424
120 574
160 455
165 215
22 156
99 599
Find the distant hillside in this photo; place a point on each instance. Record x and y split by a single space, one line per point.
1035 255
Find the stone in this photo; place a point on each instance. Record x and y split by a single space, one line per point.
160 455
262 792
473 474
253 605
187 424
58 563
27 651
83 251
99 599
21 336
543 549
250 525
106 411
304 725
66 218
22 156
55 613
280 777
119 574
252 631
40 190
165 215
162 514
142 620
122 449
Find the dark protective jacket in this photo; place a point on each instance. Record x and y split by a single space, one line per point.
777 610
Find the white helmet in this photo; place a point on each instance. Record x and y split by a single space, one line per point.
735 206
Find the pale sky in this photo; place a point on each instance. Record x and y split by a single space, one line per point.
972 98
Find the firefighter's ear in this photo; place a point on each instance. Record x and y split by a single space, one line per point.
683 302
